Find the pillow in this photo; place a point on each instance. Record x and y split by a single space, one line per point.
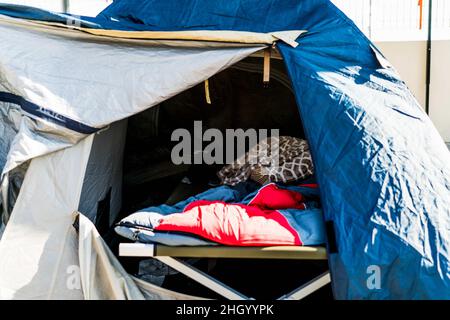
139 227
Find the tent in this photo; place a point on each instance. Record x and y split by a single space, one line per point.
68 84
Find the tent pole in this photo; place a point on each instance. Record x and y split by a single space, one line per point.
428 71
65 4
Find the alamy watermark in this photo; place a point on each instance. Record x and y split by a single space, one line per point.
73 280
374 277
224 147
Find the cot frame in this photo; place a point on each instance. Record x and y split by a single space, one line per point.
168 255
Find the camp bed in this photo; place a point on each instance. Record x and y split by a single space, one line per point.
169 256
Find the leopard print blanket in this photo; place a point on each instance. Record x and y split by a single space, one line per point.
291 161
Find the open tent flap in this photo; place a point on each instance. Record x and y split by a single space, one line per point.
39 241
64 100
46 257
48 106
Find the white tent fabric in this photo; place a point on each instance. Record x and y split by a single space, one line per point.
43 257
102 276
38 250
94 82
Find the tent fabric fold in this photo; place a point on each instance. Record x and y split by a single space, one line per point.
103 277
127 79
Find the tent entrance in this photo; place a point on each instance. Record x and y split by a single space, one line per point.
236 99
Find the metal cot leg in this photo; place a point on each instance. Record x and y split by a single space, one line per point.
202 278
308 288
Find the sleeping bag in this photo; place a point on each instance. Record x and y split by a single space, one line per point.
272 215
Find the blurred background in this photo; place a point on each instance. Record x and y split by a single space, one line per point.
400 28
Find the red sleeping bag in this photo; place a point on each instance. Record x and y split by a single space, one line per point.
259 223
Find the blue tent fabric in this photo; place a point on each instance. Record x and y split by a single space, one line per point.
24 12
383 169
